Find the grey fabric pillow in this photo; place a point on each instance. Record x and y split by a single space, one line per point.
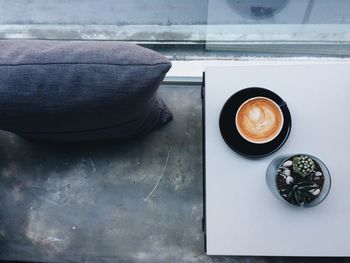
77 91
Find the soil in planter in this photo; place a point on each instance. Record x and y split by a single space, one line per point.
296 189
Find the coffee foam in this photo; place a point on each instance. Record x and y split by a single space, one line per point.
259 120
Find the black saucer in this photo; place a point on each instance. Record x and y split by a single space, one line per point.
229 130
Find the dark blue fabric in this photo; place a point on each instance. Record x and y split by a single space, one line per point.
74 91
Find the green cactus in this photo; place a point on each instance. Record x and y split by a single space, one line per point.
303 165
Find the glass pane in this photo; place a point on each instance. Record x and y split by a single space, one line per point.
301 26
207 27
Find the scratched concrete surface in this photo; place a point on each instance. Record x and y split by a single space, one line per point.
88 203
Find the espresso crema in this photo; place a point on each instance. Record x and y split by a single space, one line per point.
259 120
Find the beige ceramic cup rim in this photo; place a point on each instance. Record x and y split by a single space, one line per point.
277 106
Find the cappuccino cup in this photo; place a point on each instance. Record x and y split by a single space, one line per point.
259 120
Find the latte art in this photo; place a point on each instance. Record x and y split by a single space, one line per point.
259 120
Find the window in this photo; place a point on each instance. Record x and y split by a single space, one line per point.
189 28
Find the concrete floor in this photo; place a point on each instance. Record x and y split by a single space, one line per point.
88 203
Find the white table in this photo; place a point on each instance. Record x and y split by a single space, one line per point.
242 215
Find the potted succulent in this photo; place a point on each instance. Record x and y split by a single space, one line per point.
300 180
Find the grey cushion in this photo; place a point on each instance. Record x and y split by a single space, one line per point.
73 91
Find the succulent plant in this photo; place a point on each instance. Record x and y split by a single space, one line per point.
300 180
303 165
301 192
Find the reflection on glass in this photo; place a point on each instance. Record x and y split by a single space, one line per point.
257 9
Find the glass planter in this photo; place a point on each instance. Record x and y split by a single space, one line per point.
277 172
